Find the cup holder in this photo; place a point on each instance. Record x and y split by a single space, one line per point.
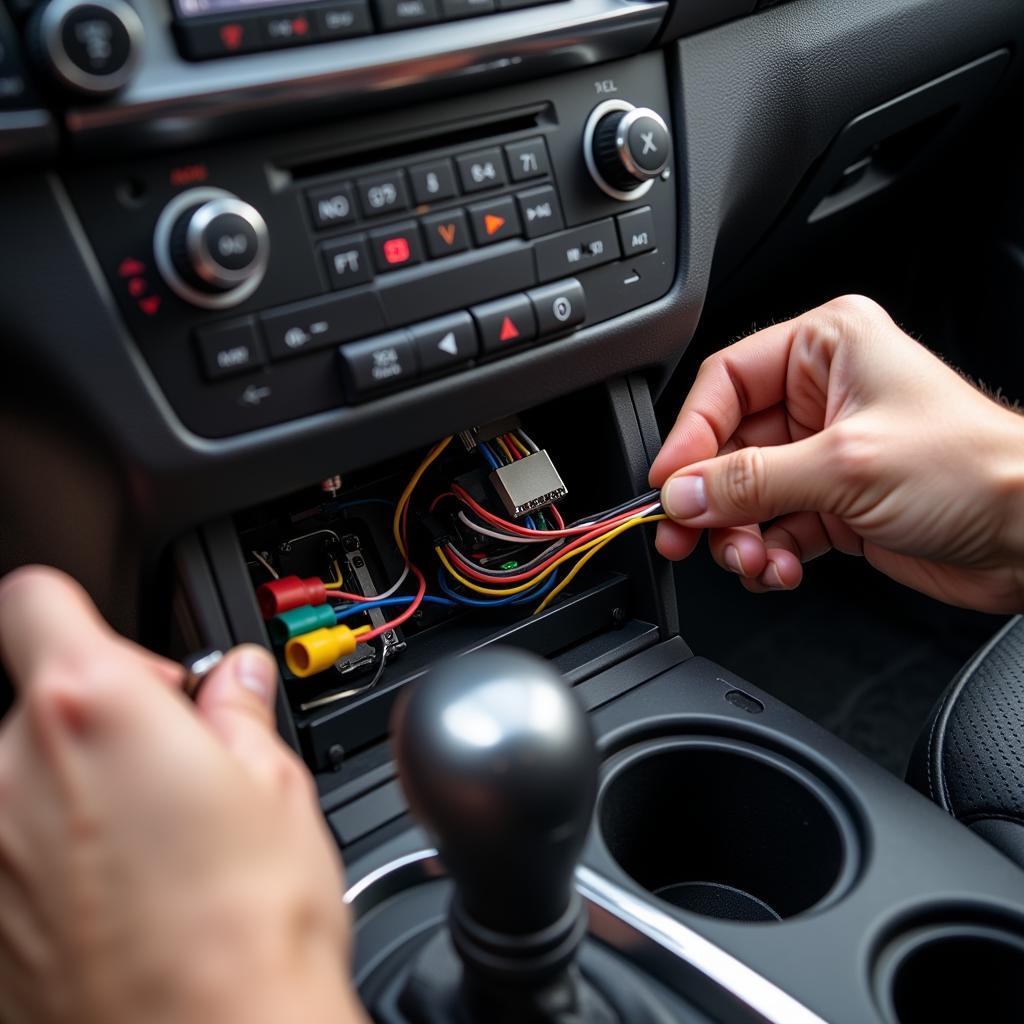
726 829
955 972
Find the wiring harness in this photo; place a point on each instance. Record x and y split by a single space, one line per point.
485 560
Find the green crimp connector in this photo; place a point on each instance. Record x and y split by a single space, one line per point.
300 620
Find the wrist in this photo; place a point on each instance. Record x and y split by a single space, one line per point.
1006 476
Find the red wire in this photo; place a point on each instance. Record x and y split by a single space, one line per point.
513 447
421 590
557 516
522 531
437 501
596 531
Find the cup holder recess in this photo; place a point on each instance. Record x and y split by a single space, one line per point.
726 829
953 972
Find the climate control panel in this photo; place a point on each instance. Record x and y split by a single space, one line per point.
266 281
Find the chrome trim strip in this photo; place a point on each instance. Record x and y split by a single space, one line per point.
731 975
725 970
367 882
172 101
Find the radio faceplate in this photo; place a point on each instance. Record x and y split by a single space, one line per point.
399 249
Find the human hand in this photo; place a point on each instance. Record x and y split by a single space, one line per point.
849 434
159 861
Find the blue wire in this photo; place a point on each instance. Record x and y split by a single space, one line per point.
530 524
488 455
385 602
530 595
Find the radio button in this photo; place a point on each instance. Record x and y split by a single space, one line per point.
559 306
528 159
433 182
445 343
332 206
289 29
320 323
396 14
577 249
636 231
452 9
344 19
348 261
505 323
495 221
219 38
397 246
382 362
383 193
482 170
540 211
229 349
447 233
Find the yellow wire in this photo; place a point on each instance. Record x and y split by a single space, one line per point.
361 630
504 447
509 591
519 444
396 523
335 584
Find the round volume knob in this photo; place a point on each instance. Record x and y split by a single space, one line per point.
625 148
211 247
87 47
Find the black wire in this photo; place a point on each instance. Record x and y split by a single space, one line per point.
639 501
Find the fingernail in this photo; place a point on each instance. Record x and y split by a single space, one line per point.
772 578
684 497
731 557
255 672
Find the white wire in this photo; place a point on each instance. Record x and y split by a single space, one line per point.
266 565
525 437
394 586
510 537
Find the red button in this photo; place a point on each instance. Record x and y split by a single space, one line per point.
396 250
397 246
231 35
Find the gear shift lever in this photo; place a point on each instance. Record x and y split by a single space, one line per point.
497 759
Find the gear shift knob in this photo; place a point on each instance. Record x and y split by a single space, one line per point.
497 759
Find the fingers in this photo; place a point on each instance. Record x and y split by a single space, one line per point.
675 542
746 378
752 485
237 702
47 621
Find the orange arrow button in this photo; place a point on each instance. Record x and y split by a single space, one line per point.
493 223
447 232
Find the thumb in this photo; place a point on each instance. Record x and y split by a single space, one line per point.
237 702
751 485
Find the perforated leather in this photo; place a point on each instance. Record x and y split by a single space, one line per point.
970 758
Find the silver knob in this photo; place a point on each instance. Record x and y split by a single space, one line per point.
88 47
625 148
211 247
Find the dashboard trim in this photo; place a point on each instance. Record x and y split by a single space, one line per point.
165 107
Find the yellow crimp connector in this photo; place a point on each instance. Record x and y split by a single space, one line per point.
313 652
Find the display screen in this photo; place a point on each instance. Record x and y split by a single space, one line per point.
199 8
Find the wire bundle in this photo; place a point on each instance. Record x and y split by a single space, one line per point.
514 581
580 540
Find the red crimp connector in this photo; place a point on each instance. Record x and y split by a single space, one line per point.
289 592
